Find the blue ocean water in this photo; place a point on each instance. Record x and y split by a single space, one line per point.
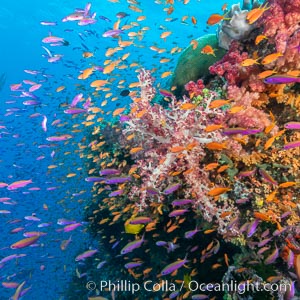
24 150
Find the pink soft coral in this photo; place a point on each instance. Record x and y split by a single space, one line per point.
249 117
230 65
194 88
158 133
281 25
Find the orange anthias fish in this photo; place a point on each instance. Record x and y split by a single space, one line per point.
215 146
215 19
218 191
194 20
254 14
187 106
208 49
194 44
271 57
218 103
249 62
213 127
259 38
266 74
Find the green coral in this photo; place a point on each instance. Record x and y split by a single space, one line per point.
192 64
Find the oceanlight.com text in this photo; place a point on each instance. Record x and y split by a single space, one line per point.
193 286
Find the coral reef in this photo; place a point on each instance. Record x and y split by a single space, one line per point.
234 27
192 64
213 178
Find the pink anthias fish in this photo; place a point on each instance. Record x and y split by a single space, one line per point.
44 123
48 23
18 184
76 99
112 33
18 291
59 138
15 87
71 227
34 87
65 243
82 15
52 39
25 242
86 254
10 257
75 111
55 58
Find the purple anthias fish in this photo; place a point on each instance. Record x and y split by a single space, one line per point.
116 193
246 173
152 191
71 227
131 265
124 118
174 294
109 172
290 293
101 264
140 220
191 233
262 250
95 179
264 242
121 15
281 79
180 202
112 33
117 180
242 131
178 212
10 257
104 18
65 222
267 177
87 21
200 297
46 23
272 257
31 102
76 99
292 125
75 111
60 138
171 189
291 145
86 254
132 245
166 93
32 218
44 123
252 227
174 266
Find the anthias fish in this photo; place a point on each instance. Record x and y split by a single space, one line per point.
281 79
